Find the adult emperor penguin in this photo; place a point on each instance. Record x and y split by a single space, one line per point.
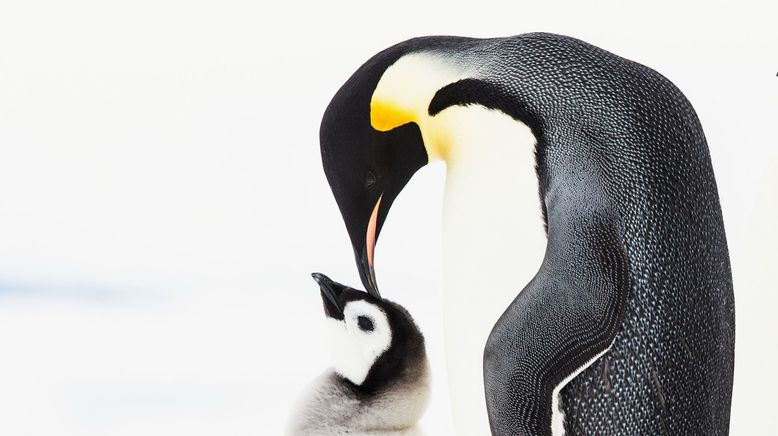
379 385
627 326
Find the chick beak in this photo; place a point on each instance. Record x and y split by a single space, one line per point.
330 291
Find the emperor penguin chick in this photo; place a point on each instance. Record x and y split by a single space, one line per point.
379 382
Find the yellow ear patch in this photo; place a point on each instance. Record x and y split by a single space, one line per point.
404 92
386 116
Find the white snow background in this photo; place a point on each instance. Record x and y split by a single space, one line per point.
162 202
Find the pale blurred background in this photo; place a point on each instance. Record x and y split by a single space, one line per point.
162 202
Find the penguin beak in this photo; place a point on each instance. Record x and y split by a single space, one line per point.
367 270
330 292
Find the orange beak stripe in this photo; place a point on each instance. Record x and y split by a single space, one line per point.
370 238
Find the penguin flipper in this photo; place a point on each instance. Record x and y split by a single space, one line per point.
564 318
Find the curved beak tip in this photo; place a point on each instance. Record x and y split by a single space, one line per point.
374 284
330 292
319 277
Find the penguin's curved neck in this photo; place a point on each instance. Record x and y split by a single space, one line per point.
493 238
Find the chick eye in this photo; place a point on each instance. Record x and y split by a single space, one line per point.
365 323
370 179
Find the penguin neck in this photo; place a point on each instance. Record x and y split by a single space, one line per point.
493 240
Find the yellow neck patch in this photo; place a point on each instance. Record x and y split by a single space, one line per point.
403 95
385 116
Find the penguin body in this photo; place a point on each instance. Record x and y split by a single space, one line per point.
379 384
627 326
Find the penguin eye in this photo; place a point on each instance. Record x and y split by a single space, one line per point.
370 179
365 323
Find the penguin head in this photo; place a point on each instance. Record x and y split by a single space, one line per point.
375 341
366 167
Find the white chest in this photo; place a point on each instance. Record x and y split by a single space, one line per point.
493 243
493 238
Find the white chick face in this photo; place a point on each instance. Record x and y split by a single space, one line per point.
359 339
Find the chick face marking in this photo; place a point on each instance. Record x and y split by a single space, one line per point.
359 339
